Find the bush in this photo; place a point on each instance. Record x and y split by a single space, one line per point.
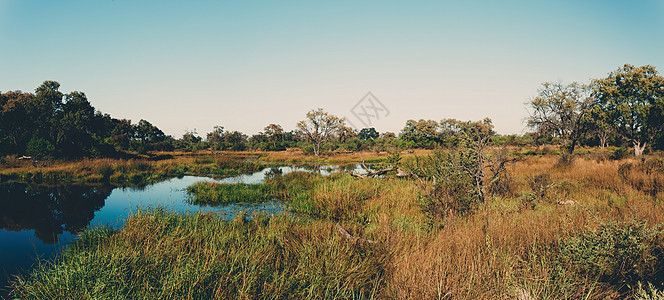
540 185
620 153
618 253
40 148
652 293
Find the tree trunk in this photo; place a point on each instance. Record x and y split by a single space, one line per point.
316 149
638 148
603 136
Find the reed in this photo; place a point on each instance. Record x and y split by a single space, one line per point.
513 244
159 255
214 194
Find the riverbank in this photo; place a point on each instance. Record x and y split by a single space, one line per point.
119 172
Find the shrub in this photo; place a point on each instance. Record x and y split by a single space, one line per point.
40 148
540 185
652 293
620 153
617 253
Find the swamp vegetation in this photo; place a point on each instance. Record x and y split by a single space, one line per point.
548 228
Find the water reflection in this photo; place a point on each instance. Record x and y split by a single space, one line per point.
36 221
48 210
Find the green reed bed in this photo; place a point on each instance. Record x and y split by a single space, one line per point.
211 193
160 255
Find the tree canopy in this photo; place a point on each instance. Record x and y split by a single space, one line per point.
633 99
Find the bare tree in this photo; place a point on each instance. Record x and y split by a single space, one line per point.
319 127
562 111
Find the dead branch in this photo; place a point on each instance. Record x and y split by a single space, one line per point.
369 173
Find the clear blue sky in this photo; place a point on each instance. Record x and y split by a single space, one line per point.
244 64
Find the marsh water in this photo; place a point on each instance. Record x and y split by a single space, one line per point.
37 221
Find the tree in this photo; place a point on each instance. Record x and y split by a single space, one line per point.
14 122
74 133
345 133
215 137
600 125
471 156
423 133
456 179
368 134
146 132
190 138
274 133
319 127
236 140
633 98
562 111
44 108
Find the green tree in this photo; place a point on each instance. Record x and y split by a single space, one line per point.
600 125
236 140
422 133
44 108
319 127
75 123
562 111
39 148
633 98
191 139
14 121
274 134
146 132
216 137
368 134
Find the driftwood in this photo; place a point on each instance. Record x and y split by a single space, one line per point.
351 238
369 173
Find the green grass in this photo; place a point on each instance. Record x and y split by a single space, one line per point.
159 255
211 193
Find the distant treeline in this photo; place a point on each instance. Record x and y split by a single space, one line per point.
49 123
624 109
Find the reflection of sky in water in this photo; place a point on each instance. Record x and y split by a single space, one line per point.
170 195
18 249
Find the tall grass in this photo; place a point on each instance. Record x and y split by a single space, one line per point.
522 242
159 255
211 193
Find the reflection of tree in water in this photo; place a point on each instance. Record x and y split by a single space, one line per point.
311 168
348 168
49 210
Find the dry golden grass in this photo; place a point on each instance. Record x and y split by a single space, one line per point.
295 155
505 248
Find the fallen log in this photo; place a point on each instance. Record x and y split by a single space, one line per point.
369 173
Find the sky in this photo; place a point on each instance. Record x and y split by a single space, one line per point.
191 65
